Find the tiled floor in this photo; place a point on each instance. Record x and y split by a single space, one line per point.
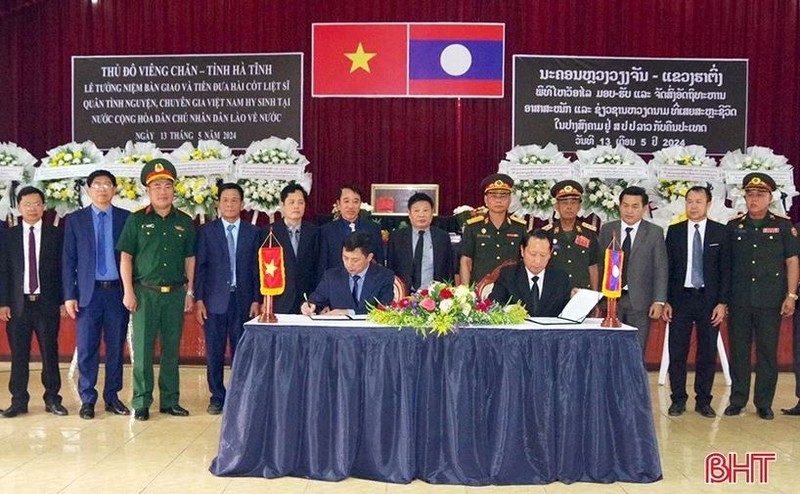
41 453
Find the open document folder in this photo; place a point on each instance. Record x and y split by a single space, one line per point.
576 310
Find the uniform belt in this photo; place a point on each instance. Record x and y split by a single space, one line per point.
162 288
106 283
32 297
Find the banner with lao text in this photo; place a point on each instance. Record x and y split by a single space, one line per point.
645 104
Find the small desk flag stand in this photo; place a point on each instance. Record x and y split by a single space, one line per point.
271 274
612 282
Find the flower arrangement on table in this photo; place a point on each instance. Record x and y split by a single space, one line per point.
197 194
601 195
19 163
442 308
533 194
130 192
763 159
263 194
64 194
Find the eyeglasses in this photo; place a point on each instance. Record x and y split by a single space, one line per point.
31 205
101 186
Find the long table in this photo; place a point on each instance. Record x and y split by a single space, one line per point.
512 405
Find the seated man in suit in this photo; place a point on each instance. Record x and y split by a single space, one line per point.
422 253
300 240
332 234
348 289
544 290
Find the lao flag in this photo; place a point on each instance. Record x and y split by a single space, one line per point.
359 59
456 60
612 274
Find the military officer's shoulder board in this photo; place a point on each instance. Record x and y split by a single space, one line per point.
518 219
475 219
547 227
738 217
589 226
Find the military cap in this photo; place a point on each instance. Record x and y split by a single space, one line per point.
566 188
497 182
157 169
758 181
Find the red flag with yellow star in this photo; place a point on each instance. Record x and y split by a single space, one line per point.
270 266
359 59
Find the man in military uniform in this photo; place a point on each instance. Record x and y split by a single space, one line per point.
575 246
157 270
764 279
490 240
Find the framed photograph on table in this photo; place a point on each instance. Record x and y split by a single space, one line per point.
392 199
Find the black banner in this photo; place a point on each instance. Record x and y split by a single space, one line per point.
235 99
645 104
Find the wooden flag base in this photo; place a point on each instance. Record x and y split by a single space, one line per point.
267 311
611 320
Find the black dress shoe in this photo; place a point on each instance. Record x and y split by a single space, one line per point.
792 411
56 409
175 411
141 414
676 409
705 411
117 408
14 410
87 411
214 409
765 413
733 410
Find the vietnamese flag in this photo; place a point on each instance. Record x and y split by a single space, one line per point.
271 271
359 59
612 273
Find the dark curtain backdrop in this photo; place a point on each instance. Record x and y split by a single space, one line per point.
446 141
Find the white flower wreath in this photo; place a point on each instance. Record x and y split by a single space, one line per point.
534 194
759 158
601 196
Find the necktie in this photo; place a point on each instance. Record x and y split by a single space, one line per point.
295 238
697 258
355 288
535 295
626 249
416 274
101 242
352 227
33 269
232 253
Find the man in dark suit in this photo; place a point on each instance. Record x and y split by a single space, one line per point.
348 289
698 252
300 241
644 268
226 285
93 292
544 290
332 234
434 261
30 300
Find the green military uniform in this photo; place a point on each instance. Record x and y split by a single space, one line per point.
759 282
574 251
488 246
159 247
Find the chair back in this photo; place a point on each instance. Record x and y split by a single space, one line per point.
399 288
486 284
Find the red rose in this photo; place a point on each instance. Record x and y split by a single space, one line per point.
445 294
404 303
424 292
